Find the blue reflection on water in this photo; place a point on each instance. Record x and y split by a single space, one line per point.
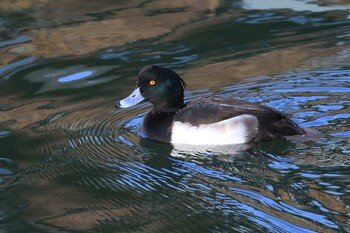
190 166
168 53
283 166
16 65
4 133
316 89
76 76
345 134
285 207
326 108
326 120
272 223
18 40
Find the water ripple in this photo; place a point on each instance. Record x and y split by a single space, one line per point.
92 164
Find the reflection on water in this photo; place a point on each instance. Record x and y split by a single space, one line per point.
70 162
294 5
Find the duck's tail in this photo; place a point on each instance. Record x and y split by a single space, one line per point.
309 135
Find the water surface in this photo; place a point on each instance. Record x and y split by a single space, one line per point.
71 162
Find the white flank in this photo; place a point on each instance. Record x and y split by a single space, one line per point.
236 130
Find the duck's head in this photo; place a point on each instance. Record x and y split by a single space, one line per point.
160 86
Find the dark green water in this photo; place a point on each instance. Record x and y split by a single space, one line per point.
71 162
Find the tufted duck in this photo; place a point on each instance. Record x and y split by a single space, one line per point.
209 120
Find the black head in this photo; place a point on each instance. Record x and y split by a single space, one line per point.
160 86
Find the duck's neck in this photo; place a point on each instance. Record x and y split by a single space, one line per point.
157 125
168 107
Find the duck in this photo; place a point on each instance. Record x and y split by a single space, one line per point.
206 120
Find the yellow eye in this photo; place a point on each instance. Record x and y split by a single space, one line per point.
152 82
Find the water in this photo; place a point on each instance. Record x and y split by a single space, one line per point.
71 162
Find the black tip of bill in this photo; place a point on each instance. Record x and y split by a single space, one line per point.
117 104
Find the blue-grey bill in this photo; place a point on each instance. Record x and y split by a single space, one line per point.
134 98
